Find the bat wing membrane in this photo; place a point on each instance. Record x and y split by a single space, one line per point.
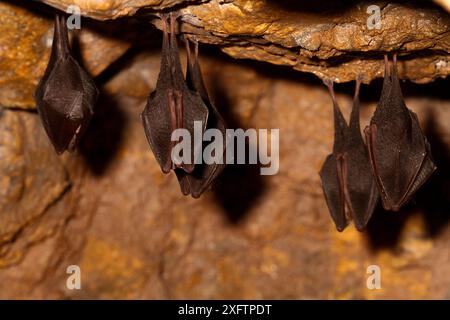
334 192
156 121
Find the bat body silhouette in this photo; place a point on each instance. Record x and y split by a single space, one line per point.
66 94
200 179
347 180
399 152
172 105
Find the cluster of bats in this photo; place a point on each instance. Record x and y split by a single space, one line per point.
176 103
393 164
66 96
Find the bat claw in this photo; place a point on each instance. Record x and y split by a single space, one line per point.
359 78
387 70
163 17
174 16
328 82
394 60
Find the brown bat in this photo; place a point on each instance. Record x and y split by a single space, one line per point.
347 180
172 105
204 174
399 152
66 95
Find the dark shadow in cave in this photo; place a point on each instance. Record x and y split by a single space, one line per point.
432 200
384 228
239 186
434 197
103 137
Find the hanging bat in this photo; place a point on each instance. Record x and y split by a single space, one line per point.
399 152
66 95
172 105
200 179
347 180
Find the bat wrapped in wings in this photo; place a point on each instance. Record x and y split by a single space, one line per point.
399 152
172 105
347 180
66 94
204 174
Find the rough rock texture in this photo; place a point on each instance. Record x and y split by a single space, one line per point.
329 38
112 9
32 180
108 208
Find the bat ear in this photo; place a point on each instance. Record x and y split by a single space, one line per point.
359 80
330 85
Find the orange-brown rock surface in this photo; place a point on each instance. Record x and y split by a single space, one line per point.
109 209
329 38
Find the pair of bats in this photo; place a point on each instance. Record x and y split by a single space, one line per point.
66 94
394 164
397 163
176 103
